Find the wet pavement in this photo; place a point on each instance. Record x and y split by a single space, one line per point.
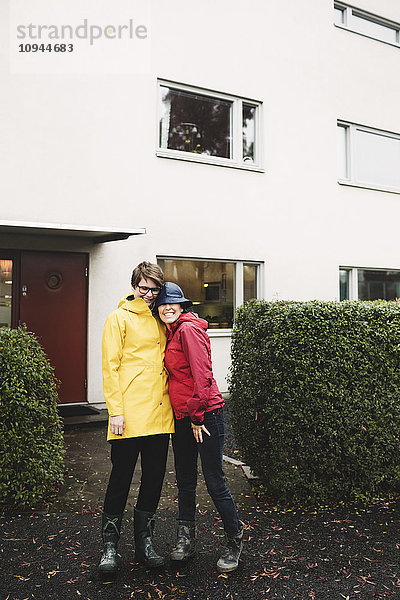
290 553
88 467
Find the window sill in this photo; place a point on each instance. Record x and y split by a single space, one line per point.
369 186
208 160
214 333
371 37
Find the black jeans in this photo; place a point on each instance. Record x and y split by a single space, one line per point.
153 450
186 450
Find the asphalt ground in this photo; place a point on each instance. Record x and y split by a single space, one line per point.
325 553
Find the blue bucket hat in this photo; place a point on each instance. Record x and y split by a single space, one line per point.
172 294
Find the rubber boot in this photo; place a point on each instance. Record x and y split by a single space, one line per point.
144 551
110 530
229 559
185 543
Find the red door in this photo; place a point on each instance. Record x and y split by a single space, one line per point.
53 304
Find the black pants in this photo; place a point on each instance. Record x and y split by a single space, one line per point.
186 451
153 450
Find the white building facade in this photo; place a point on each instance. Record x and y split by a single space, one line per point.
258 155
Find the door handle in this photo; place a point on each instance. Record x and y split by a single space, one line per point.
24 290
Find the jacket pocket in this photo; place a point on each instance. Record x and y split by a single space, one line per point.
128 377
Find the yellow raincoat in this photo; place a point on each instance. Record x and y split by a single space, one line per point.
134 378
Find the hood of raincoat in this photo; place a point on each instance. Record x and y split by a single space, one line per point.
130 304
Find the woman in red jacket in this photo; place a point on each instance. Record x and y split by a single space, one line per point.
199 425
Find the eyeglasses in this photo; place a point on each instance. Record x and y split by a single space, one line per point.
143 290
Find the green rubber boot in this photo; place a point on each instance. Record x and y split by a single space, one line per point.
229 559
111 531
144 551
184 547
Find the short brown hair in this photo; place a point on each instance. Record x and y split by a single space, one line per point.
147 270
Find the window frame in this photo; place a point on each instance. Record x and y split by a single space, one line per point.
350 149
238 292
353 279
350 11
236 161
353 282
15 257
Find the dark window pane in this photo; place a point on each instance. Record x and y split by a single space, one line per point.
376 289
209 285
344 278
248 132
5 292
249 282
391 290
378 285
194 123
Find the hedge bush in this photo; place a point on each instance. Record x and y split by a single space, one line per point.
315 404
31 440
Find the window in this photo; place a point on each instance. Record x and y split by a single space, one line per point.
250 273
208 127
6 281
344 284
215 287
368 157
369 284
367 24
339 16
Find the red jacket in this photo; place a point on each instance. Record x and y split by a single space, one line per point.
192 387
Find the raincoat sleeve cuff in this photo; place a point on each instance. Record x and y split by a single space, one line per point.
198 423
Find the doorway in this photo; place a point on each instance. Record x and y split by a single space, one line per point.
48 292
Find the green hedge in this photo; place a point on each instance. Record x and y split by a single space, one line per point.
315 402
31 440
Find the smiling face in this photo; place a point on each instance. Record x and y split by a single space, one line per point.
169 313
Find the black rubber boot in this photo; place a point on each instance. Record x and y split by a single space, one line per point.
144 551
229 559
110 531
185 543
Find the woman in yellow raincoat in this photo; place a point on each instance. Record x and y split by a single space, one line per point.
140 414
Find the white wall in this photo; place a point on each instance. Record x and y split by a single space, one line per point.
81 149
